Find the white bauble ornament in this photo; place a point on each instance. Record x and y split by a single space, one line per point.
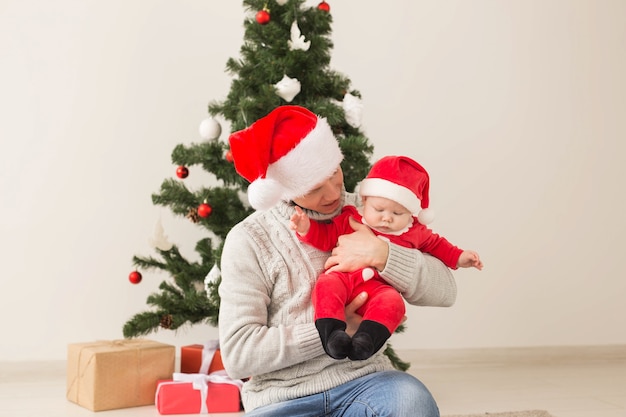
353 110
281 2
210 129
287 88
297 39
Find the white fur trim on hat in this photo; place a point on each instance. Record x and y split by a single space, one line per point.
315 158
378 187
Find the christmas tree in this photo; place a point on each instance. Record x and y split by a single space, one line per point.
284 59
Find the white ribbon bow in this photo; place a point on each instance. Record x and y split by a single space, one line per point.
208 352
200 382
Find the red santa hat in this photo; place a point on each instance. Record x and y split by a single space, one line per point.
284 155
402 180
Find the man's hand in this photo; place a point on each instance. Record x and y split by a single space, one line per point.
358 250
353 320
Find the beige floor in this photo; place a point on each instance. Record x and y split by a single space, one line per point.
568 382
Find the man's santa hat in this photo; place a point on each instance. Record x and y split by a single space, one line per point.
402 180
284 155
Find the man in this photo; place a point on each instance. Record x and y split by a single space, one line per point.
266 326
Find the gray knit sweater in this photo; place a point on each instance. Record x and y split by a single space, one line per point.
266 323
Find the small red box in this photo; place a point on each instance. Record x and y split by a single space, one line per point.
177 397
191 360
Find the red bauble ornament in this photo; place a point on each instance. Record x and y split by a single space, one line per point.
263 17
135 277
204 210
182 172
229 156
324 6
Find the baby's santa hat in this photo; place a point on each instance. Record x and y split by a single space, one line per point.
402 180
284 155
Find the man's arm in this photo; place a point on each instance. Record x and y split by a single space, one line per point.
421 279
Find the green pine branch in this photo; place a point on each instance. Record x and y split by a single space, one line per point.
397 363
211 157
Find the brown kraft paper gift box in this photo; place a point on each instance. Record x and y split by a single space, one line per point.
106 375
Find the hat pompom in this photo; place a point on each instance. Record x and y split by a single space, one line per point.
426 216
264 193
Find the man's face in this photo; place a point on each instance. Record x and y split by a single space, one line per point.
325 197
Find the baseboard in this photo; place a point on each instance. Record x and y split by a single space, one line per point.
423 358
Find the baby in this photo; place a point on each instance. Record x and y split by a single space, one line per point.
394 192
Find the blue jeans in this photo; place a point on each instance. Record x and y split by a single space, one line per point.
380 394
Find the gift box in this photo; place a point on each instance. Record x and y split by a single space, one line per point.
198 394
106 375
201 359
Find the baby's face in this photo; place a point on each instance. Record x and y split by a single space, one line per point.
385 215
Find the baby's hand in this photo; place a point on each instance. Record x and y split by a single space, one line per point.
468 259
300 222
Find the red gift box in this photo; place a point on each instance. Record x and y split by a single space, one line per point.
187 393
202 359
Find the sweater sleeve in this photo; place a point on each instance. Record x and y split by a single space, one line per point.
422 279
249 344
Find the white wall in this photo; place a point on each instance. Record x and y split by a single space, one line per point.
515 107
